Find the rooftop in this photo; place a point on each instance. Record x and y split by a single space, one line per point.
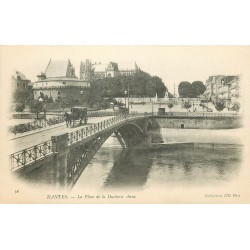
99 67
59 68
128 66
20 76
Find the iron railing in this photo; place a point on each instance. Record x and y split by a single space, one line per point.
80 134
30 155
26 127
102 113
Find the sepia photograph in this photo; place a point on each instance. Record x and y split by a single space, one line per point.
125 124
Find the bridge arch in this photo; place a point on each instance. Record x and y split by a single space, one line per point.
148 125
132 134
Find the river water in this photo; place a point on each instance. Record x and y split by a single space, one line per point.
114 168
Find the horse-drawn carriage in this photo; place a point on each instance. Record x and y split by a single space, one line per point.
78 117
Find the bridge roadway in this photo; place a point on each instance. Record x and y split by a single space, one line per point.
30 140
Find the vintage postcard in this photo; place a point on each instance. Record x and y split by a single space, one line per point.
125 124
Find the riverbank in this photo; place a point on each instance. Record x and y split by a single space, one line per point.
179 145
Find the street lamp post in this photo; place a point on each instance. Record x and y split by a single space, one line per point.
125 92
44 110
128 97
40 100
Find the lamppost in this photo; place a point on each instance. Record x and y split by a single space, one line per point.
40 100
125 92
128 97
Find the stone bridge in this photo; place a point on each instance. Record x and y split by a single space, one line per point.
62 160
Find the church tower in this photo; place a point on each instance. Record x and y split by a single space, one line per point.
86 70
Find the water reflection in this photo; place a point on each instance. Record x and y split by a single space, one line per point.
131 168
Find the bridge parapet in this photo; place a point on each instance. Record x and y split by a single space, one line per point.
80 134
30 155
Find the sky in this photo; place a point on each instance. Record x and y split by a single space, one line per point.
171 63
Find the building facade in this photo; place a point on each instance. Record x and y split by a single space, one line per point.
91 71
225 88
21 87
230 91
59 82
212 85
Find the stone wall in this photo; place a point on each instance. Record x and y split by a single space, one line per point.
200 122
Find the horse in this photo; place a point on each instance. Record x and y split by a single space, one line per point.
68 118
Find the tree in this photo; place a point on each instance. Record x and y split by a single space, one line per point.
170 105
187 105
19 107
150 89
219 105
160 88
185 90
198 88
236 107
140 84
170 95
188 90
36 107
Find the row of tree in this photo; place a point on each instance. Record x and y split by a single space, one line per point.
141 84
191 90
